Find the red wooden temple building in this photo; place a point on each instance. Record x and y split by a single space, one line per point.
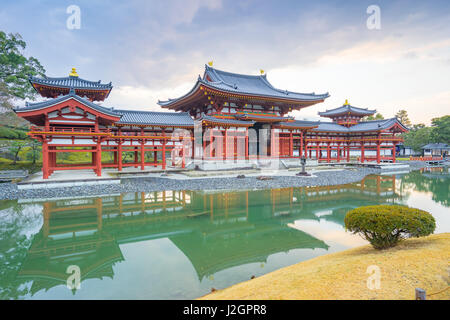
226 120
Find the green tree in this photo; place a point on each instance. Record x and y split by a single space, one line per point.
402 116
377 116
15 69
34 151
5 97
15 148
441 129
417 137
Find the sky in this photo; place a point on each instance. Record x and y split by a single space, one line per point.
155 50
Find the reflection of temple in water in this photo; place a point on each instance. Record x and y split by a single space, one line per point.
215 231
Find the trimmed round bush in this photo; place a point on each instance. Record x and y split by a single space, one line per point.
385 225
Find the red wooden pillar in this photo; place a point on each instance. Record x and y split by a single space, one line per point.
301 146
339 152
378 152
211 137
98 159
378 149
119 149
45 172
246 143
164 150
328 152
142 154
393 153
225 147
291 144
142 150
318 151
119 154
204 144
362 152
183 161
348 153
272 143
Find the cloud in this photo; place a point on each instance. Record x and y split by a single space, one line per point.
143 98
153 50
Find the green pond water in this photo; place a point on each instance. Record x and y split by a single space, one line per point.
180 244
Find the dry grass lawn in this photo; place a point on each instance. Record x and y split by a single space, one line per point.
414 263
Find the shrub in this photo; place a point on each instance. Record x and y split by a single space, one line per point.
385 225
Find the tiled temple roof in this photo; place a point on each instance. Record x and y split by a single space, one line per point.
181 119
366 126
298 124
245 84
255 85
176 119
71 82
436 146
375 125
346 109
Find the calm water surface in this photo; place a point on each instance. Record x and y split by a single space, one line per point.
180 244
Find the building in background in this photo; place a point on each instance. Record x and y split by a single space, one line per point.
436 149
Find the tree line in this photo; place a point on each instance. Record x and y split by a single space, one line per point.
420 134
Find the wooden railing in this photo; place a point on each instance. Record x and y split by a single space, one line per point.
62 130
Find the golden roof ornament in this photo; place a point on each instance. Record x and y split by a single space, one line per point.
73 73
346 102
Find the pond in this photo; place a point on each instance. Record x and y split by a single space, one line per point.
180 244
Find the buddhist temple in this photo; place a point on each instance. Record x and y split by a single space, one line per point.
227 120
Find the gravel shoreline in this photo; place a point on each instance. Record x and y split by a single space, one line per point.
9 191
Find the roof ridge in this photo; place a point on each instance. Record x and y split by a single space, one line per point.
217 76
150 111
232 73
378 120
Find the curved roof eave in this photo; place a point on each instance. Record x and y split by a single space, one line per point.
49 103
171 101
